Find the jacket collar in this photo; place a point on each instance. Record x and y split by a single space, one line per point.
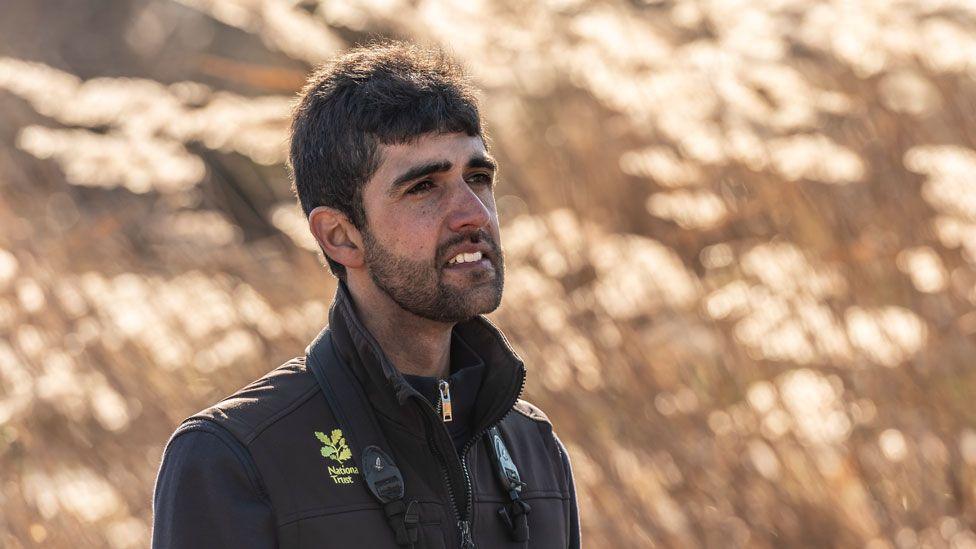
390 394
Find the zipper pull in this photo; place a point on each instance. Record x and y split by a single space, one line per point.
445 389
466 541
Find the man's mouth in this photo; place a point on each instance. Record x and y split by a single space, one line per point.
469 262
465 258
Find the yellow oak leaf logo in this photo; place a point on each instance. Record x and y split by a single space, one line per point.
334 446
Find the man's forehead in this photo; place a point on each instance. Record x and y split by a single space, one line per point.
452 147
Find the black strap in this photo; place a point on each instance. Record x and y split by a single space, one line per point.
515 514
363 435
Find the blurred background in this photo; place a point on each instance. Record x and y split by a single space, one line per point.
741 242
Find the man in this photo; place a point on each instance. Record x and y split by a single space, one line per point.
401 426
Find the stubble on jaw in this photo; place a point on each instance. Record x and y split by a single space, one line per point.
417 286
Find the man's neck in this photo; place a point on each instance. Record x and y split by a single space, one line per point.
415 345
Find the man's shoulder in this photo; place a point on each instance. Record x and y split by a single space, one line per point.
262 403
534 446
528 422
531 411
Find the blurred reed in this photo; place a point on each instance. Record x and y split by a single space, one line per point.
741 245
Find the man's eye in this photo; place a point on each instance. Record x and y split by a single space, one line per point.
481 179
420 187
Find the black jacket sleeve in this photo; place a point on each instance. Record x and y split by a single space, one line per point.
574 524
208 494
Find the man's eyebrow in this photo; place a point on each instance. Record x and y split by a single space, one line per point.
481 161
418 171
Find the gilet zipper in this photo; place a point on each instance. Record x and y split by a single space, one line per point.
444 407
463 517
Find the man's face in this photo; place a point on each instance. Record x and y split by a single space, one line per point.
431 240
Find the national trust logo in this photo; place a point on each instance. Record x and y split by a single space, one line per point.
334 447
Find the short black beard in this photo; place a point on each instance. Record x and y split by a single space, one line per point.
417 286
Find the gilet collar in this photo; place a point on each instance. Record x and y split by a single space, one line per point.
390 394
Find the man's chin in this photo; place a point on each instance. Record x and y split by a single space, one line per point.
481 299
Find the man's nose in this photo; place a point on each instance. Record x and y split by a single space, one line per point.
468 210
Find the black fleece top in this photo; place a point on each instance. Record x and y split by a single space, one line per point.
467 369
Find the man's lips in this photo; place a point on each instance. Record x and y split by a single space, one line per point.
483 263
487 254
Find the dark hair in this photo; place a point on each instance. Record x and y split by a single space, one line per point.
383 93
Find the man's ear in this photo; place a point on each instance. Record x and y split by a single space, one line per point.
337 236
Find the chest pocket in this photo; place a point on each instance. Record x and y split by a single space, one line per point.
511 508
362 526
